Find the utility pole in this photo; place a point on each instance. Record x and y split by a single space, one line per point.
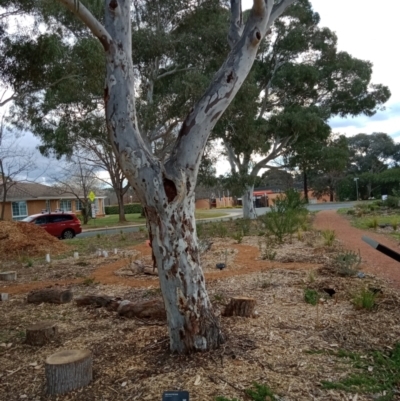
356 180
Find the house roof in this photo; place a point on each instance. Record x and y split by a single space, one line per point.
30 191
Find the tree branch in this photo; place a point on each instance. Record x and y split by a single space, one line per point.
233 160
276 151
279 9
236 26
89 20
192 139
9 99
27 92
174 71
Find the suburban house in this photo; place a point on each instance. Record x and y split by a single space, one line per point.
24 199
262 197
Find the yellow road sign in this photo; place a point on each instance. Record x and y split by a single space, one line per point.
92 196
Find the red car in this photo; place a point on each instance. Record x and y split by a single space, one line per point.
61 225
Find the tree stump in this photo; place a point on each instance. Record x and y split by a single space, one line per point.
98 301
153 309
41 333
8 276
240 306
50 295
3 296
68 370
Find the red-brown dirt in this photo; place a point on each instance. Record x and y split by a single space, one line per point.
373 262
247 259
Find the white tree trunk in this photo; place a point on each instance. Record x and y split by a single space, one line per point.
167 191
249 210
191 321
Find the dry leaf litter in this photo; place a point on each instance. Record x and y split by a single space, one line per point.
131 357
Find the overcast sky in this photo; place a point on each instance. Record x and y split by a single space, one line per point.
367 31
370 32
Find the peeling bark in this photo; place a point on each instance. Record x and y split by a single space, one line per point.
192 324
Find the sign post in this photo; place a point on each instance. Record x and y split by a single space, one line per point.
175 396
92 197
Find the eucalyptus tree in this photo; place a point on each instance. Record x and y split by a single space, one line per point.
299 73
61 100
332 161
15 165
166 188
371 155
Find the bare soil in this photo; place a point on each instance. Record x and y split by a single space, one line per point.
288 346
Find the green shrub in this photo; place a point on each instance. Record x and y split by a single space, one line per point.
373 223
287 215
218 229
129 209
311 296
392 202
365 299
347 263
290 200
329 237
244 225
282 224
260 392
394 223
373 207
238 236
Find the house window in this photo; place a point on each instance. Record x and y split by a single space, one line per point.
19 210
78 205
65 205
48 206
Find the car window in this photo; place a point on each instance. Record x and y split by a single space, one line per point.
59 218
28 219
41 220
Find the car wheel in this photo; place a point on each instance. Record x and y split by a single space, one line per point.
68 234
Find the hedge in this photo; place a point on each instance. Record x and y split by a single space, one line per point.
129 209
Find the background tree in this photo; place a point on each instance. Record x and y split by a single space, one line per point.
371 155
305 152
298 73
64 107
16 164
277 179
330 167
79 179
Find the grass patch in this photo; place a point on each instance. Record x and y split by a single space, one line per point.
329 237
311 296
344 210
346 263
365 299
378 373
366 222
111 220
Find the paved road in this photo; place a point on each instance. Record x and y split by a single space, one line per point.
232 213
315 207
